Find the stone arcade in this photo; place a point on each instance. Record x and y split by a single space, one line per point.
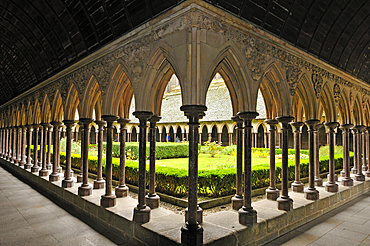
194 40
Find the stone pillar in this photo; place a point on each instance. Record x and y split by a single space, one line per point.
85 189
14 148
44 171
23 147
284 201
6 154
152 199
219 137
311 193
59 168
346 180
67 182
35 167
318 180
192 232
10 136
238 199
354 144
209 137
99 182
331 186
367 173
41 130
247 215
230 139
297 185
2 142
80 175
200 138
364 152
49 166
358 129
253 142
160 137
109 199
272 193
141 211
122 189
28 164
54 176
19 140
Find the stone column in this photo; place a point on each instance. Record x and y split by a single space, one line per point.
44 171
19 141
99 182
23 147
109 199
367 173
311 193
85 189
10 136
238 199
28 164
152 199
364 152
200 138
297 185
359 176
247 215
318 180
219 137
59 168
331 186
230 139
346 180
272 193
141 211
6 154
35 167
284 201
192 232
2 142
354 144
41 130
80 175
209 137
122 189
14 148
160 137
49 166
67 182
54 176
253 142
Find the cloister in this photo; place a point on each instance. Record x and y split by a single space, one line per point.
194 40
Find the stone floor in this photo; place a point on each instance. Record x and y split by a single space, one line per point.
28 218
347 225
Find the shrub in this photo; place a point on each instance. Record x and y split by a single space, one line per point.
229 150
212 148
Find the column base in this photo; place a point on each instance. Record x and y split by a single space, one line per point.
318 181
108 201
285 203
367 173
21 163
331 187
27 166
347 182
311 194
360 177
84 190
59 169
142 215
343 173
67 183
354 170
49 166
272 194
54 177
99 183
122 191
297 186
43 173
35 169
199 215
191 235
152 201
247 217
335 177
237 202
79 178
364 168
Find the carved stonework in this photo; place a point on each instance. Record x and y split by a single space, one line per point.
317 81
292 75
256 59
336 92
351 99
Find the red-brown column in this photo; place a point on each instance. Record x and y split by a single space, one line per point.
359 175
272 193
19 139
85 189
67 182
9 145
80 175
364 152
28 164
367 173
346 180
35 167
318 180
297 185
122 189
14 145
99 182
238 199
41 130
331 186
49 166
23 146
54 176
44 171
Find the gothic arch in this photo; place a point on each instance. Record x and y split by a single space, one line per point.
72 103
328 104
357 113
36 113
306 95
91 100
345 115
45 110
57 111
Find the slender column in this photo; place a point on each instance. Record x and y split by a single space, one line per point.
85 189
238 199
364 152
18 152
122 189
35 167
358 129
54 176
10 136
346 180
2 143
200 138
311 193
141 211
152 199
41 130
230 139
81 130
160 137
318 180
28 164
49 166
192 232
99 182
59 168
6 144
209 137
44 171
67 182
272 193
367 173
284 201
331 186
253 142
354 144
219 137
14 148
23 146
247 215
297 185
109 199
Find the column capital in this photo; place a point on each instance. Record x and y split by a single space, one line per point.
248 116
236 119
37 126
284 120
143 117
194 112
297 125
24 127
346 127
155 118
368 129
100 122
271 122
56 123
29 127
123 121
358 128
44 124
331 126
69 123
85 121
109 118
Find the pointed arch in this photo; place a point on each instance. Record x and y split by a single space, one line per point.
306 95
344 110
92 100
36 113
45 110
57 112
71 104
357 113
328 104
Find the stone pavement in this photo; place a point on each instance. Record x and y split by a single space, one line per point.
346 225
29 218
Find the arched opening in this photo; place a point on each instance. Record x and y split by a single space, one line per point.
178 134
304 137
164 134
134 134
93 135
290 137
204 136
260 137
214 134
224 136
171 135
